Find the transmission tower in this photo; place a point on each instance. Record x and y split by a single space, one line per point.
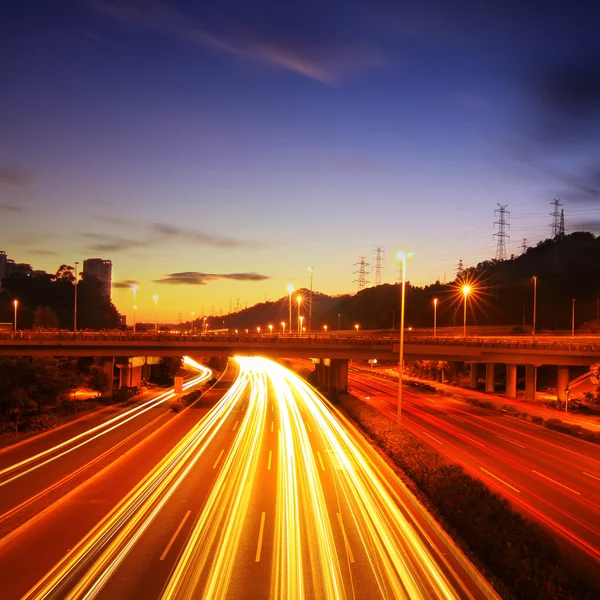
379 257
555 214
460 268
561 226
363 273
524 245
501 234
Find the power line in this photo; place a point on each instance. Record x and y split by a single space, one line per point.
524 245
501 235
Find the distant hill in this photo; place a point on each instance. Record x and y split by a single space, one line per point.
567 267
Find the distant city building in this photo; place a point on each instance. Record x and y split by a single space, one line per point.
3 265
8 267
122 320
102 269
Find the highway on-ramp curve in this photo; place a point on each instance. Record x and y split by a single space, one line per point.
272 494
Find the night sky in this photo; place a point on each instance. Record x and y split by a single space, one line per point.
215 150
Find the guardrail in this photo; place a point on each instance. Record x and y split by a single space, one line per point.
584 344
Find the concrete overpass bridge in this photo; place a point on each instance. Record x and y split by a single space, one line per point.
330 351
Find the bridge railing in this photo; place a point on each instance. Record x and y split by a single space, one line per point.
587 344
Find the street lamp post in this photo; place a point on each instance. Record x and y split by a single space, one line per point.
339 321
534 306
283 327
271 329
290 289
75 307
465 289
301 324
402 257
15 304
573 319
193 322
310 301
435 303
134 288
155 298
299 300
325 328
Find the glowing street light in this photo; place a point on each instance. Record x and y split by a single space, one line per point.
283 327
155 298
435 303
325 328
466 290
271 329
15 304
290 289
402 257
356 327
299 300
258 329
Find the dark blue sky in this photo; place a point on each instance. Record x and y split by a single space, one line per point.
237 137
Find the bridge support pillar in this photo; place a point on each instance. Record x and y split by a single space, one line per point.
530 382
562 383
511 381
129 375
108 364
490 377
473 372
338 377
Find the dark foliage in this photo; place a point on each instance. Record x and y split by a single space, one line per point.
56 294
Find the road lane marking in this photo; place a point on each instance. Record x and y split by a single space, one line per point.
590 475
244 407
471 440
272 425
556 482
308 426
501 480
321 460
453 417
172 540
300 407
260 538
235 426
270 457
509 440
218 459
434 439
346 542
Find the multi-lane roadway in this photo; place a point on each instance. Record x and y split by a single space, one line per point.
549 476
262 491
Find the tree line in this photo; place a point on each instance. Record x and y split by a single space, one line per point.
47 301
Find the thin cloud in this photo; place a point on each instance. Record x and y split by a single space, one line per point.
325 63
11 208
158 232
15 176
196 278
125 284
42 252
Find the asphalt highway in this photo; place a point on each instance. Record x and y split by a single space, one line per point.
269 494
549 476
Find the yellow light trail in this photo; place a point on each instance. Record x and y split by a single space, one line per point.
332 527
99 430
